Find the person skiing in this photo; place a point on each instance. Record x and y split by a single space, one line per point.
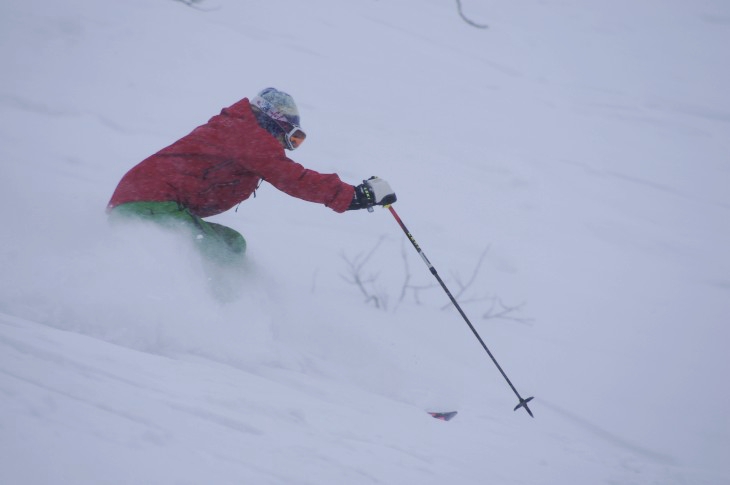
222 163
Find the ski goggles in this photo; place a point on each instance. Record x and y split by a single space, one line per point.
293 134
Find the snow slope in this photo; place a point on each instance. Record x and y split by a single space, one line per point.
579 147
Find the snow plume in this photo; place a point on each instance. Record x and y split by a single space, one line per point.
133 284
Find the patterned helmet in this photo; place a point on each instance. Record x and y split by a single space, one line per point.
280 108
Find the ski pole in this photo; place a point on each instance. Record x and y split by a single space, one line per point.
523 402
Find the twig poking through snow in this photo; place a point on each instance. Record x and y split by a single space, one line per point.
468 21
193 4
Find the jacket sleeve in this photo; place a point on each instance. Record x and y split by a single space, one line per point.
297 181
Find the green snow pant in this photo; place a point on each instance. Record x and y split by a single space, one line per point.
215 241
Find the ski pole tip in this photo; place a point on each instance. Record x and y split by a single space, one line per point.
523 404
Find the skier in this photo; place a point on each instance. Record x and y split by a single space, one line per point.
221 163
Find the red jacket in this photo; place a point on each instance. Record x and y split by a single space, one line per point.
220 164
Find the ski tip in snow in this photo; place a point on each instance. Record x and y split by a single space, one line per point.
444 416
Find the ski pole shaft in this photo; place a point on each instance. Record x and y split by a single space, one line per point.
523 402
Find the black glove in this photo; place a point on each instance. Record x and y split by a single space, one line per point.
374 191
